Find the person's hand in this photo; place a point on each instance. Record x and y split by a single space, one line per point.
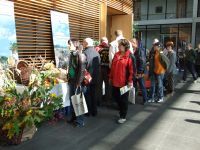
130 84
140 75
78 85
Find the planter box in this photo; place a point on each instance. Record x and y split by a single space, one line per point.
25 134
15 140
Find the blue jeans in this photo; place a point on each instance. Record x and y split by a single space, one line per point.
79 119
156 81
142 87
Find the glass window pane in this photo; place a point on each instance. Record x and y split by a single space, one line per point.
189 8
152 33
197 34
198 8
181 8
141 35
185 32
140 10
157 9
171 9
169 29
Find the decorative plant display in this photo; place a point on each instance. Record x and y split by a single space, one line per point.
30 106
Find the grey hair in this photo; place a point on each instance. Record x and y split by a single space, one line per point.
89 41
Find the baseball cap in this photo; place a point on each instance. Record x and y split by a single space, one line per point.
155 41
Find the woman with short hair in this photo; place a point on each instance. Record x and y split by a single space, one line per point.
172 67
122 75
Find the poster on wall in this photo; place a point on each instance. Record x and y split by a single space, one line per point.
61 35
8 45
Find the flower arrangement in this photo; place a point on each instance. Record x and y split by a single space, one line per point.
34 104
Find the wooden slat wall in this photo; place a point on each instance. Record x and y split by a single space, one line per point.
122 5
33 24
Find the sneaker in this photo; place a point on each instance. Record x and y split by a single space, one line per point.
151 101
77 125
121 120
183 81
160 100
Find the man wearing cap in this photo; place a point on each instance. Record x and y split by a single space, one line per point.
156 73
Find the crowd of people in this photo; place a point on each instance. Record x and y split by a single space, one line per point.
122 63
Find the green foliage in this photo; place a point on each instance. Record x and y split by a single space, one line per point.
34 105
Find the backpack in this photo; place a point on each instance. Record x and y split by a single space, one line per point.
164 60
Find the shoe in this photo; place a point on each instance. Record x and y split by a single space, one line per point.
160 100
195 81
121 120
77 125
183 81
71 121
144 103
94 114
87 114
151 100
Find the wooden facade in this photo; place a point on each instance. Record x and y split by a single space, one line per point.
33 23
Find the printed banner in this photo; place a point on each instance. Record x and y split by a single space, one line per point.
61 35
8 45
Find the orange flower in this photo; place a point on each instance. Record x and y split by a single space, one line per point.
46 83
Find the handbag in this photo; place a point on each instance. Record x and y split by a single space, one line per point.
131 96
79 103
87 78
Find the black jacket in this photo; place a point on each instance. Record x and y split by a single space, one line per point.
93 63
140 60
79 64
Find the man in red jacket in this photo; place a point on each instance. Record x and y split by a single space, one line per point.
120 76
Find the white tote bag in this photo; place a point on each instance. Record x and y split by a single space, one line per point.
79 103
131 96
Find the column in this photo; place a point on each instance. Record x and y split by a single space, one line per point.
103 19
195 9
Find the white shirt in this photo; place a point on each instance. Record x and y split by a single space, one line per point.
114 48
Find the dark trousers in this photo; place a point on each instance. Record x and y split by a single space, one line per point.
170 82
122 101
191 67
181 64
105 78
91 99
141 83
197 67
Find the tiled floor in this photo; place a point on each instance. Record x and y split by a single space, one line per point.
172 125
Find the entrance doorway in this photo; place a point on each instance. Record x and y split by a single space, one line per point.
118 20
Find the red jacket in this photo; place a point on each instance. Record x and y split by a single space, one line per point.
121 70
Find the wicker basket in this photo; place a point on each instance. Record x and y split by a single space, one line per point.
22 63
26 70
25 75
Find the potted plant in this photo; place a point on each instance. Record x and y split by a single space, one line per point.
28 107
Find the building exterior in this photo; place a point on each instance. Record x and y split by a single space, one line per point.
87 18
176 20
